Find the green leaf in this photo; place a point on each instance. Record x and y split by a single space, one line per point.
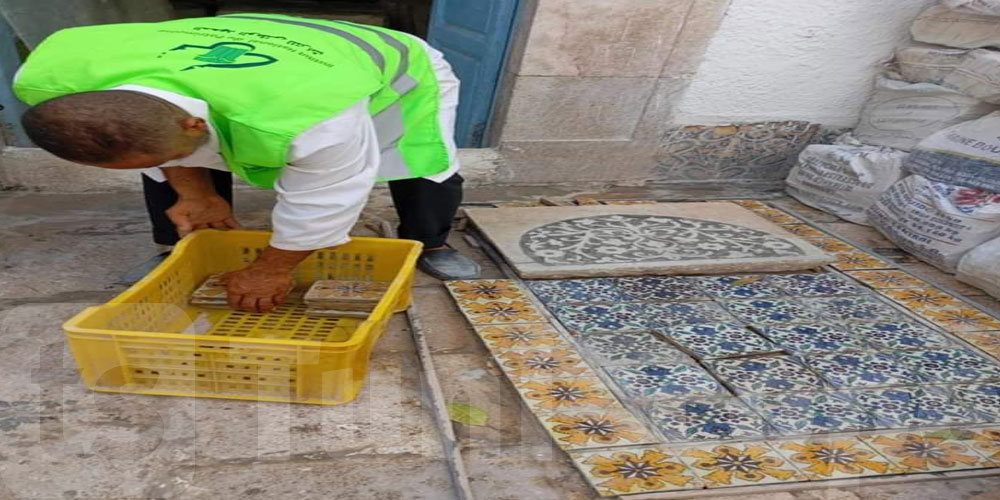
468 415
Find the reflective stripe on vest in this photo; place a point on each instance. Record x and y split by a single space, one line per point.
389 124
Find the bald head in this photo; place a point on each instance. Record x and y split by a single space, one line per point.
113 129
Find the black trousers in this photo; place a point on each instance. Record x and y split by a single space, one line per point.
426 208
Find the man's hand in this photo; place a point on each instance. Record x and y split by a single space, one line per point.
210 212
264 284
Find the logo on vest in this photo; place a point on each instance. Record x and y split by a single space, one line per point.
227 55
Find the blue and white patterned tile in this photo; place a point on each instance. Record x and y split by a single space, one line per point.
706 419
811 412
983 399
856 308
766 374
719 340
770 311
739 287
896 335
665 381
576 291
954 365
658 288
668 315
859 370
901 407
587 318
631 348
815 285
813 338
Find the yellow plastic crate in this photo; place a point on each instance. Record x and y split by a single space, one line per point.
149 340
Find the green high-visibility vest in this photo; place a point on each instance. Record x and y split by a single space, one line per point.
266 78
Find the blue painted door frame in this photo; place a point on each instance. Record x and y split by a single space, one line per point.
473 35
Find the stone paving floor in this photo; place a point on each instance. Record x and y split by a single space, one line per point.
61 253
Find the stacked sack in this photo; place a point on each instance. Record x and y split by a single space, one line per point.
947 210
929 89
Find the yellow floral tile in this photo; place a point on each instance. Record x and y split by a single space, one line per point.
739 464
961 319
858 260
922 298
750 204
803 230
777 216
831 458
558 394
501 311
629 202
888 279
989 342
478 290
543 363
986 442
635 470
595 429
927 451
520 336
831 245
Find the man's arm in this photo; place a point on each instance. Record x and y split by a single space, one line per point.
263 285
198 205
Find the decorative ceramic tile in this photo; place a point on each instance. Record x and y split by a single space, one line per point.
766 374
720 340
811 412
542 363
586 318
739 287
751 204
665 380
740 464
498 312
576 291
846 261
986 441
211 293
624 471
926 452
657 288
858 370
770 311
984 399
669 315
601 240
888 279
699 420
629 202
814 338
631 348
961 319
857 308
895 335
831 245
596 429
522 336
484 290
950 365
989 342
913 406
833 458
815 285
558 394
777 216
335 294
803 230
922 298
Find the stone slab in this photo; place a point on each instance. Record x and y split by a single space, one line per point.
662 239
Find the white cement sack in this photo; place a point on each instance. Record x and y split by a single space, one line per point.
899 114
981 267
960 28
938 223
978 75
967 154
927 63
988 7
844 180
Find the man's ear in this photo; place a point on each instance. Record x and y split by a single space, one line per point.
194 126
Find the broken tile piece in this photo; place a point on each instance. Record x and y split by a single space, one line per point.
662 238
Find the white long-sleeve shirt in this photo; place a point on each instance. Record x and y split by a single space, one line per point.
331 167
